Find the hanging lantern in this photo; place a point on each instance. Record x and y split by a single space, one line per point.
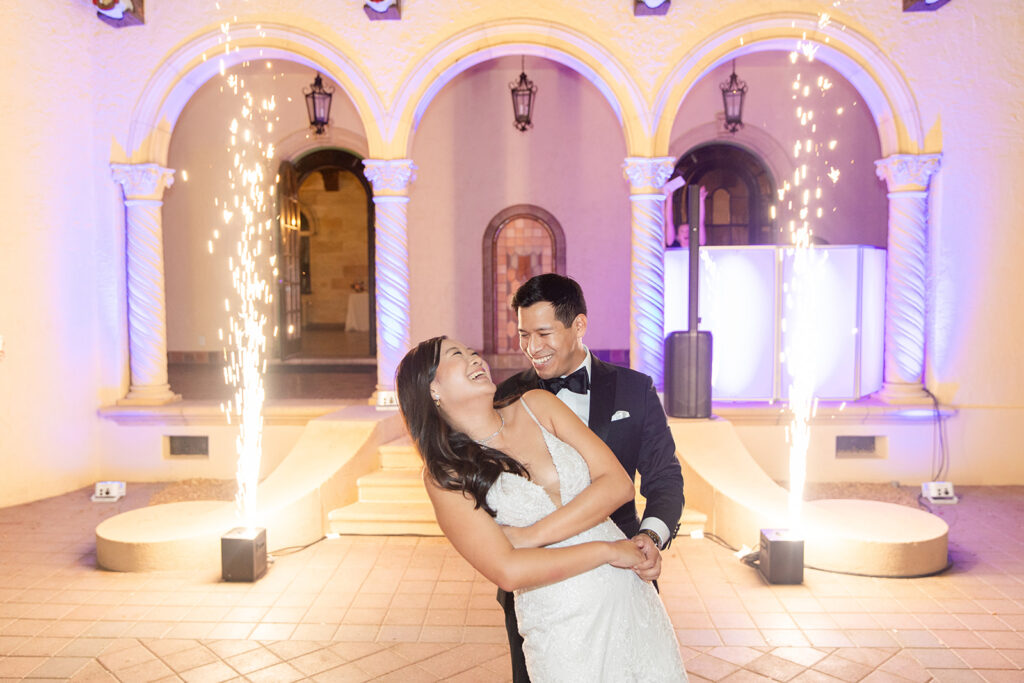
733 93
318 105
523 94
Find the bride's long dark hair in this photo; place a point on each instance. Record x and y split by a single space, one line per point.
453 460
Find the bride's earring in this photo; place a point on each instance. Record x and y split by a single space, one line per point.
437 401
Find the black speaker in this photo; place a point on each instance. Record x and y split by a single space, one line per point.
688 374
243 554
781 559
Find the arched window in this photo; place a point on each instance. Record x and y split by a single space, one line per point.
520 242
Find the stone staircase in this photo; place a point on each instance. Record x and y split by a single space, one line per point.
393 502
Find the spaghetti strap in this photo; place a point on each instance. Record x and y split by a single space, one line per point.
530 413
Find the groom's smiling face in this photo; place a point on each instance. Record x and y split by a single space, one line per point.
553 349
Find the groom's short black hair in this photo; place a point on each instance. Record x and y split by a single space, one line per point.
562 292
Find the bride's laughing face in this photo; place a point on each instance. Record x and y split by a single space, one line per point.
461 374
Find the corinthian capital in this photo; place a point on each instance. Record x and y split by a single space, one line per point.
647 174
143 181
390 176
907 172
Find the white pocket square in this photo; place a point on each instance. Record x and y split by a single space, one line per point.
620 415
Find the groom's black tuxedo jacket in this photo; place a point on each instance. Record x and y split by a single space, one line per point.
642 441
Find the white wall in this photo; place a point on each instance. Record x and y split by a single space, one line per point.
55 308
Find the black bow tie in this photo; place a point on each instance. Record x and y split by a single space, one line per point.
577 382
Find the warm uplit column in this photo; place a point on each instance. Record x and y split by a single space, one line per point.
647 264
144 186
907 177
390 181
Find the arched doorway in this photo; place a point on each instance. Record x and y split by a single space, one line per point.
739 194
325 297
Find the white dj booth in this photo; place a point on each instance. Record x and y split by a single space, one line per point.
743 294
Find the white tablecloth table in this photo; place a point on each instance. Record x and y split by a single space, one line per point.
357 318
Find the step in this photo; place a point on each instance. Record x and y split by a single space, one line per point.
384 519
691 521
398 486
400 454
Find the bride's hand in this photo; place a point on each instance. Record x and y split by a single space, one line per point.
625 554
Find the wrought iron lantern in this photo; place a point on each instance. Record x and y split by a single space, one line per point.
318 105
523 94
733 94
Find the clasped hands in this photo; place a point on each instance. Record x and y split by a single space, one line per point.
645 560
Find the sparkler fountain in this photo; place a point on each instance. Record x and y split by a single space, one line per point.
245 353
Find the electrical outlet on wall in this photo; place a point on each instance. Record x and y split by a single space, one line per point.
939 492
109 491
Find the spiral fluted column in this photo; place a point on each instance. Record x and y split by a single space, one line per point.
647 264
144 186
907 177
390 180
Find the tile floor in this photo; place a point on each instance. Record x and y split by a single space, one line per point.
410 609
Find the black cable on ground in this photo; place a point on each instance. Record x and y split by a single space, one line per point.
292 549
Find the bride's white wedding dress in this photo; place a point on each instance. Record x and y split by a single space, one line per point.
606 624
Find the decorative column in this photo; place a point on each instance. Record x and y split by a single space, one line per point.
907 177
646 177
390 180
144 186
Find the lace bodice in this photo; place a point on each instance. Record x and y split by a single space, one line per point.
521 502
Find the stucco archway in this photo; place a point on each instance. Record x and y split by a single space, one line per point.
549 41
182 73
854 56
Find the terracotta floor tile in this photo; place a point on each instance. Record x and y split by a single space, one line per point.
214 672
126 658
152 670
316 662
19 667
190 658
710 667
252 660
985 658
955 676
742 637
842 668
776 668
693 636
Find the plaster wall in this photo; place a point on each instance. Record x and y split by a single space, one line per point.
59 252
62 311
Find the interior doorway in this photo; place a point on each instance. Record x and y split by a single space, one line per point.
325 297
739 194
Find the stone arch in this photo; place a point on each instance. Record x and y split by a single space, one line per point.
179 76
851 54
546 40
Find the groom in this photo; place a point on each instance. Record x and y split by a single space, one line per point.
620 405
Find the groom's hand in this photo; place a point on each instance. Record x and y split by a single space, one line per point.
650 568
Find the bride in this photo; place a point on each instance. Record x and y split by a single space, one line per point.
583 613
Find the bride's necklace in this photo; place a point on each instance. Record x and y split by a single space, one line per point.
484 442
